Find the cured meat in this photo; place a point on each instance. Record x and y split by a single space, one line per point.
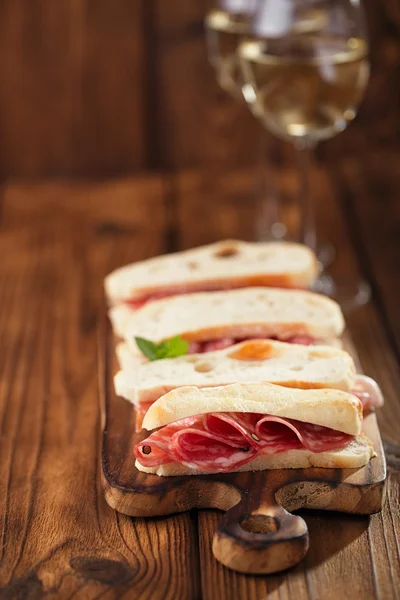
220 344
313 437
140 411
227 342
367 390
137 303
221 442
155 451
234 428
305 340
201 450
177 291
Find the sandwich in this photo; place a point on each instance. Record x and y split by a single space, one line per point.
288 365
225 265
252 427
216 320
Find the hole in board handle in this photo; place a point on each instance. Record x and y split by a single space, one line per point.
259 524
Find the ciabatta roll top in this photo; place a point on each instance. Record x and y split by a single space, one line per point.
240 314
290 365
223 265
333 409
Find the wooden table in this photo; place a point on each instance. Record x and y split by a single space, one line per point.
58 537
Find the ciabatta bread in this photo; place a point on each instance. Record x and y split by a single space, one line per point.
243 313
335 409
223 265
355 455
290 365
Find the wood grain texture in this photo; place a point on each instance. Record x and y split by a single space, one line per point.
57 242
368 557
72 87
106 88
377 174
58 116
58 538
223 132
114 136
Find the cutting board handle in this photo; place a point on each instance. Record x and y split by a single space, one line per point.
260 536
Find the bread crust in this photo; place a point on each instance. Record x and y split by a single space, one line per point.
222 265
357 454
328 408
243 313
289 365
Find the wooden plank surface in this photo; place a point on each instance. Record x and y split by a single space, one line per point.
58 537
379 223
223 132
57 534
72 87
345 557
99 88
104 88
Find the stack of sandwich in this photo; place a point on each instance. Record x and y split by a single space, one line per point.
232 365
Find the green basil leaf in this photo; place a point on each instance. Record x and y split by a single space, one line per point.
171 348
177 347
148 348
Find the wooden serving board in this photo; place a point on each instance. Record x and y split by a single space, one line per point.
258 533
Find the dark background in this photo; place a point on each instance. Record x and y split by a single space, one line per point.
99 88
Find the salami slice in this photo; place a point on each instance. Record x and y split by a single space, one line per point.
165 293
152 453
140 411
136 304
304 340
222 343
154 450
180 290
221 442
195 348
367 390
231 427
313 437
322 439
201 450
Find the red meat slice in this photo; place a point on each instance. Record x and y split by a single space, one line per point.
221 442
367 390
227 342
305 340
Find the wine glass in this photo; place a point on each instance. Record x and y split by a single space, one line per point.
226 26
307 63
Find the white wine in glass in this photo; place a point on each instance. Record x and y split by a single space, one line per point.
308 88
226 26
308 83
224 32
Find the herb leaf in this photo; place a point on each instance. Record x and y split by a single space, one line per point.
176 346
170 348
149 349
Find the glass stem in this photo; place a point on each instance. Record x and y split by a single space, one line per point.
307 228
268 223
